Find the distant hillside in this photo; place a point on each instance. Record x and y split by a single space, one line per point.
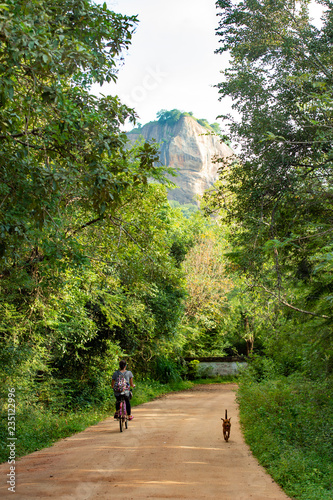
188 144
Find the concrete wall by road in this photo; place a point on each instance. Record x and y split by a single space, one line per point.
213 368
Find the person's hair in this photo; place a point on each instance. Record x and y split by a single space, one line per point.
122 364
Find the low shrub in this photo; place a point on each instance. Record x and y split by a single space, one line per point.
288 423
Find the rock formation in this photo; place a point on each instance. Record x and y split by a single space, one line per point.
189 148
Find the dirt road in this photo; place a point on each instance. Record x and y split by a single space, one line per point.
173 448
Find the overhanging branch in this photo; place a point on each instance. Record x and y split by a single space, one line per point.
293 307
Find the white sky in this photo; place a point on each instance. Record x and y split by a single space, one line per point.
171 63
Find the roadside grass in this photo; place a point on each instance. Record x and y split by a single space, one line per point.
288 424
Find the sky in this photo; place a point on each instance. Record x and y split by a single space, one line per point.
171 63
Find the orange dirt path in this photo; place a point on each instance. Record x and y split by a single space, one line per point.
173 448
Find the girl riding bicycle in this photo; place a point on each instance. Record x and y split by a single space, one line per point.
122 381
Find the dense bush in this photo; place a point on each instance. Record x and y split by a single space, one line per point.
288 422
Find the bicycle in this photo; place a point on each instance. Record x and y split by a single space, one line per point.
122 413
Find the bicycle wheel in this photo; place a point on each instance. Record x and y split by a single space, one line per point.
121 417
126 420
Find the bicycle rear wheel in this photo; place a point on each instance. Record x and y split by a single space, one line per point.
121 417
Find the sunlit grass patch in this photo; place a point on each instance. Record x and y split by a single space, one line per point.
288 424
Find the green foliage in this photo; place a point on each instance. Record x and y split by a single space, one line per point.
172 117
187 209
192 369
68 159
166 370
39 428
90 252
288 423
169 117
203 122
207 289
276 198
126 299
216 127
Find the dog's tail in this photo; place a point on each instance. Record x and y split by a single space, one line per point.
226 414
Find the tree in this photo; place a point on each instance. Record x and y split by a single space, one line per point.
169 117
207 289
278 193
216 127
130 295
62 149
66 169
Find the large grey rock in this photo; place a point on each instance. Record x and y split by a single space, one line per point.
188 147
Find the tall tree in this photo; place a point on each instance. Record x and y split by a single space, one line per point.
65 168
62 148
278 193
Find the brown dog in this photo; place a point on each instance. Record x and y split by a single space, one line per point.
226 426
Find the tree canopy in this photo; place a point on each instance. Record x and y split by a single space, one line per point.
79 256
173 116
277 195
61 147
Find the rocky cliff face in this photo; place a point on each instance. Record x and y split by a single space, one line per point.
186 146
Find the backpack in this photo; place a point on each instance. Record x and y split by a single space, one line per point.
121 383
